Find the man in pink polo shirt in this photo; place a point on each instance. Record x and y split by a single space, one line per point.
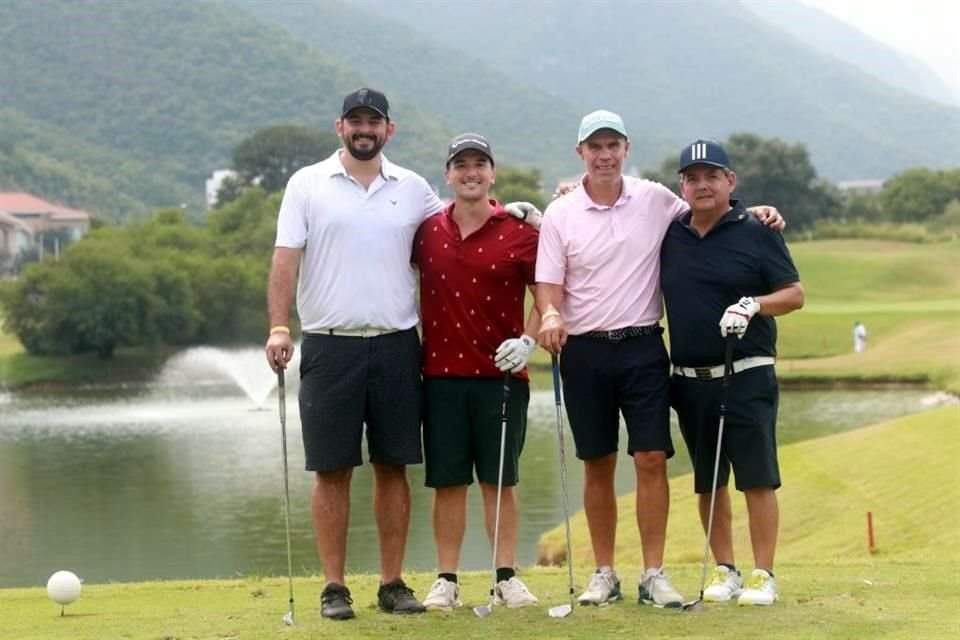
598 292
476 262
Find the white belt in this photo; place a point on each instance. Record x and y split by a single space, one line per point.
363 332
709 373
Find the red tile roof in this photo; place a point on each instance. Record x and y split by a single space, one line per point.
19 202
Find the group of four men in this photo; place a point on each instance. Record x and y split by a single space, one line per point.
357 229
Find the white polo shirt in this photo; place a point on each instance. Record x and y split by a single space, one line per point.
355 270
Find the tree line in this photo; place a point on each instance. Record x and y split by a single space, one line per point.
168 280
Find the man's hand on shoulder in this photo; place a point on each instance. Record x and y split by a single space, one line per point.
526 212
769 216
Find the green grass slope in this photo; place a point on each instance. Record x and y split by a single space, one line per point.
908 295
903 471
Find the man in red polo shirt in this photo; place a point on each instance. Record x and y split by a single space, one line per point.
476 262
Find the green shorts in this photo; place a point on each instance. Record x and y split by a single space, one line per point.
461 430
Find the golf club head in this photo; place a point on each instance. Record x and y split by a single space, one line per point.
560 611
692 607
288 618
482 611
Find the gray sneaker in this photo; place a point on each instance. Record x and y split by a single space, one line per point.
655 589
604 588
335 602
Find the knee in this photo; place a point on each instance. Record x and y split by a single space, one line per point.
650 463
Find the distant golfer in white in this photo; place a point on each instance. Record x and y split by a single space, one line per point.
859 337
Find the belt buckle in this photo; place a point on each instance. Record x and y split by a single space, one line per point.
703 373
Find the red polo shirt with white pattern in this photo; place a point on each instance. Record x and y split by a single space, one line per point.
472 290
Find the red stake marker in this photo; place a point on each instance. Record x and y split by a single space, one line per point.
870 541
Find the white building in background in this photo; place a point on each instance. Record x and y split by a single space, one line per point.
24 218
213 183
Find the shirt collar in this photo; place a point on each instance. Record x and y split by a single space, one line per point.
588 202
388 170
736 213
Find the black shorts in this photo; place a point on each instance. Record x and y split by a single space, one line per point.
749 428
603 379
346 382
462 419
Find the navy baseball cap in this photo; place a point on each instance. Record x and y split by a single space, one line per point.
703 151
466 141
368 98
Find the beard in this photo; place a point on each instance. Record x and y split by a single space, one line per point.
363 154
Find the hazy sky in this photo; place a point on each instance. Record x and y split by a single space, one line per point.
927 29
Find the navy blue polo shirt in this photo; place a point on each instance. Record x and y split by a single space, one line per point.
702 276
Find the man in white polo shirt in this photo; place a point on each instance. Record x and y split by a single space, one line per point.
346 225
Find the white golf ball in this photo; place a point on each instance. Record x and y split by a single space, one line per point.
63 587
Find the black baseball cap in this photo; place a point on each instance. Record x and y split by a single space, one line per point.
466 141
703 151
368 98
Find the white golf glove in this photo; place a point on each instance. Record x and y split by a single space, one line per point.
737 316
526 212
512 354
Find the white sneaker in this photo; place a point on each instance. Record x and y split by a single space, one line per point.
514 594
655 589
724 584
760 588
604 587
444 596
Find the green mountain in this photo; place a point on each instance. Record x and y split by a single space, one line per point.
152 96
527 126
835 37
688 69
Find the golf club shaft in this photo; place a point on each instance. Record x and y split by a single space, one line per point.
563 471
281 392
727 371
504 413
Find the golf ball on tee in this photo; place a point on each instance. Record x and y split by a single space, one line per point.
63 587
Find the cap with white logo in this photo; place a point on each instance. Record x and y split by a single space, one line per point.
703 151
466 141
597 120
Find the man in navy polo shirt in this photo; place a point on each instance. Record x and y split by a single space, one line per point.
476 262
723 272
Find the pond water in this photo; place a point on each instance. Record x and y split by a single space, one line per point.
184 479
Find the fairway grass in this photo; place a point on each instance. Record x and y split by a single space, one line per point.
903 471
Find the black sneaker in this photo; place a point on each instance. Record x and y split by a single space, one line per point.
335 602
397 597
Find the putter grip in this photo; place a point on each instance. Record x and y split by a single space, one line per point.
555 363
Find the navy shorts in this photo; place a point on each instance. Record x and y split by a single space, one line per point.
603 379
462 420
346 382
749 428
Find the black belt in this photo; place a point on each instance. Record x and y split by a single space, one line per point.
619 335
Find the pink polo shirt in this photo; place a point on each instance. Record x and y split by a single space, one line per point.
607 258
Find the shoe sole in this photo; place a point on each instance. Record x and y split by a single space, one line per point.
339 616
709 598
437 607
610 600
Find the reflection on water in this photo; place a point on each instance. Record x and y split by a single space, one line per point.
185 481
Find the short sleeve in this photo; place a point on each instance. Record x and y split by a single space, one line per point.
551 261
432 204
292 220
778 268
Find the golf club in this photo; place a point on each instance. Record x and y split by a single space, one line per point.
281 391
485 610
562 610
697 604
